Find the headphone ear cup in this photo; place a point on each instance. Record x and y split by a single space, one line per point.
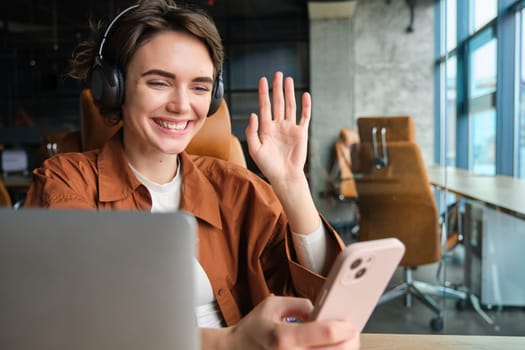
107 85
216 95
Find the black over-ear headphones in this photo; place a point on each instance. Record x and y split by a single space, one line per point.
107 80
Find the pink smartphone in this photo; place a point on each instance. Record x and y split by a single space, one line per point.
357 279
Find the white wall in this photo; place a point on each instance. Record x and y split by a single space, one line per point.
394 70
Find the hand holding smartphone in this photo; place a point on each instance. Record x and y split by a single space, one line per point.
357 279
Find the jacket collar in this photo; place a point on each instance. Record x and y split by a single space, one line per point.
117 182
199 196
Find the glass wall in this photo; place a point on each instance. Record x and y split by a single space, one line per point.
481 116
482 54
482 109
521 95
451 24
451 111
482 12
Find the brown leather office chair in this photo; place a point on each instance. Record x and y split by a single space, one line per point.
214 139
59 142
396 200
345 146
94 131
5 198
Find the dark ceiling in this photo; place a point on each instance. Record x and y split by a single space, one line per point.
43 11
37 37
56 16
56 24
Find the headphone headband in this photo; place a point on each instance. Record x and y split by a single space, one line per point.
107 81
110 25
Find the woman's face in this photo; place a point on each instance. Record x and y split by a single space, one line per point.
168 92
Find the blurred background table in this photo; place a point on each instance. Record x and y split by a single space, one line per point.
438 341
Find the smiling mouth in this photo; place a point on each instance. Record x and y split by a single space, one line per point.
171 125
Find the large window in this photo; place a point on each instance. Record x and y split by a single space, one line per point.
451 24
483 11
521 84
451 115
482 57
482 109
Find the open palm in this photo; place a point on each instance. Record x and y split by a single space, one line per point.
278 144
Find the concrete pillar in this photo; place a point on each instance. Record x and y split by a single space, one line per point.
331 85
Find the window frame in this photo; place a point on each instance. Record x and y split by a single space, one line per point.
503 28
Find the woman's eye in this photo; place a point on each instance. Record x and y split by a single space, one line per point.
157 83
202 88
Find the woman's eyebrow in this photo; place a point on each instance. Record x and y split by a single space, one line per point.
203 80
160 72
166 74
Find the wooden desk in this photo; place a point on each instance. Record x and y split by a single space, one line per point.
502 192
439 342
493 231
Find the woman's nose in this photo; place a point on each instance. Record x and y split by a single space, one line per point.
179 101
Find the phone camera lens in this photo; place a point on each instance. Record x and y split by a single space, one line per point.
355 264
360 273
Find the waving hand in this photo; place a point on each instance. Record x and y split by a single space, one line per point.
276 142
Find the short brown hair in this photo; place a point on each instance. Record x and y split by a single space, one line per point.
137 26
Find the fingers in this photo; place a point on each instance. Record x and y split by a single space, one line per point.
306 111
283 307
290 99
278 98
326 334
252 139
283 105
307 334
263 327
265 111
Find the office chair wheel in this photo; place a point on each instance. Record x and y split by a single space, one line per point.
436 324
461 304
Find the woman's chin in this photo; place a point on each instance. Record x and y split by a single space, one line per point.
173 146
172 150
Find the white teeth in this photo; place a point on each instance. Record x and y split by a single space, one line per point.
172 126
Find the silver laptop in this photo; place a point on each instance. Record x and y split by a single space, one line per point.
96 280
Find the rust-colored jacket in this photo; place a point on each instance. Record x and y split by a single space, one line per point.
243 233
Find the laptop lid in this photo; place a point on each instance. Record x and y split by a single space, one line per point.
100 280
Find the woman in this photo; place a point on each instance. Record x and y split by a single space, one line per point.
157 67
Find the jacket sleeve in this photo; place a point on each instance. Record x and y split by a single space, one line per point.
56 188
306 282
272 244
